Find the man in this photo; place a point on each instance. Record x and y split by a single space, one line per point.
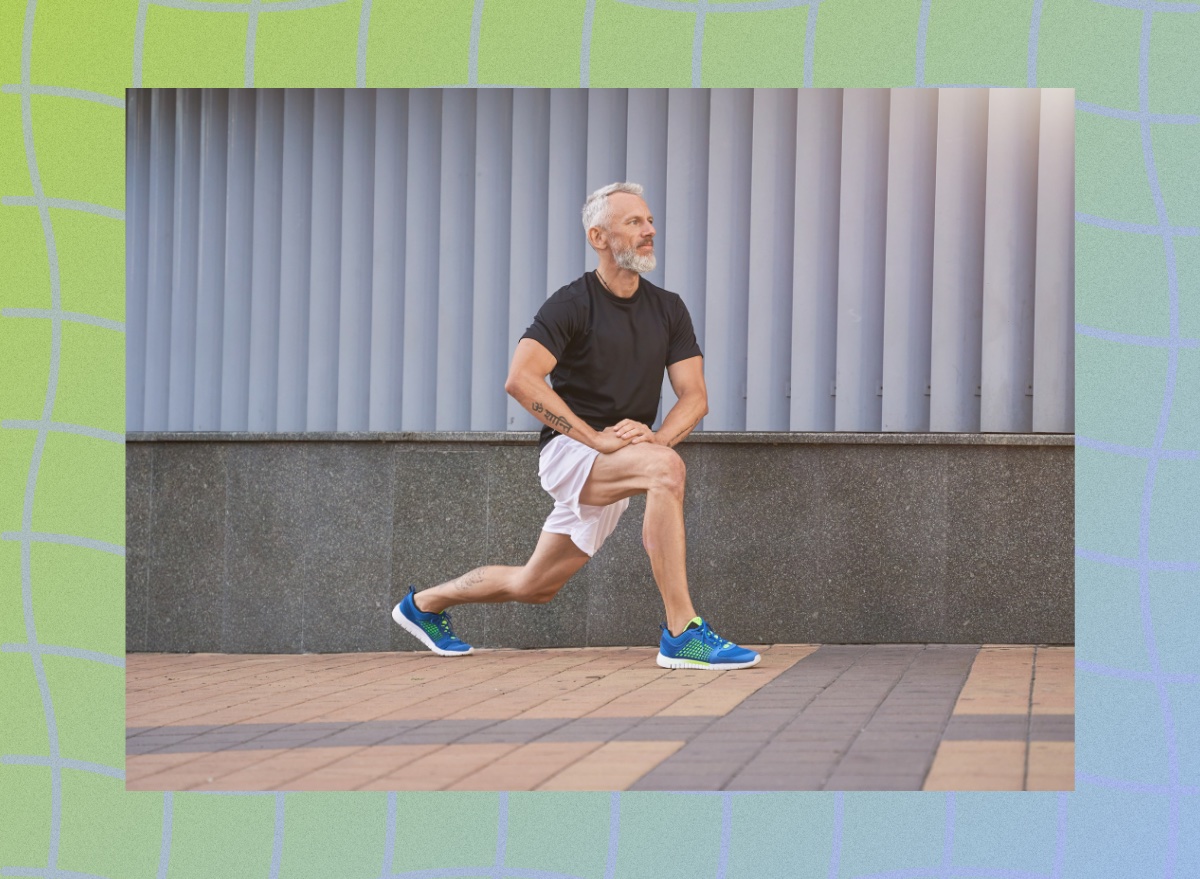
604 341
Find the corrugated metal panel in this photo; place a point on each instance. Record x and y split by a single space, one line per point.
362 260
861 239
908 264
1010 237
1054 313
815 267
957 322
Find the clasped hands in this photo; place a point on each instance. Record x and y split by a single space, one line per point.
633 431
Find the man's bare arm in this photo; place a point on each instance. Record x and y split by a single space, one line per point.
687 380
527 385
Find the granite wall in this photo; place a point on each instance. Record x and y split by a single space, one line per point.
237 543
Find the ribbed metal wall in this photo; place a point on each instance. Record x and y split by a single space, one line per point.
859 260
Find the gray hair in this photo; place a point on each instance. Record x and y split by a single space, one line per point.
596 211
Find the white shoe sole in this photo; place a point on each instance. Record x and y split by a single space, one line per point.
420 634
668 662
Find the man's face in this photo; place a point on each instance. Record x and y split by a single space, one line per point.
631 232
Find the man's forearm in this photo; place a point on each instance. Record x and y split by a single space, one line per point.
549 408
682 419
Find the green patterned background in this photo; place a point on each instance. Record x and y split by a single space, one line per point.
63 67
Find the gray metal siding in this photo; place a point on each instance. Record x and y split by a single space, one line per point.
318 260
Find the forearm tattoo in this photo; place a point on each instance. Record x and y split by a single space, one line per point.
556 421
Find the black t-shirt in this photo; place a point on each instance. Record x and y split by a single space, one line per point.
611 351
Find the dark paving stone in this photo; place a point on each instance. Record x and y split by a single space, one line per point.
665 729
1052 728
979 727
590 729
873 781
514 731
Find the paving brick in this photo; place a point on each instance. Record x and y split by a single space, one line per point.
850 715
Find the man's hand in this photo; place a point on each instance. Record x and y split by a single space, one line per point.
607 441
634 431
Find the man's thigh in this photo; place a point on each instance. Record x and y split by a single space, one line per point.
627 471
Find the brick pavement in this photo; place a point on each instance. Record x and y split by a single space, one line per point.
834 717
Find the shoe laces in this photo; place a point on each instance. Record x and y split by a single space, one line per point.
713 638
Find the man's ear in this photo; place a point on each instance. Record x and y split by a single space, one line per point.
596 238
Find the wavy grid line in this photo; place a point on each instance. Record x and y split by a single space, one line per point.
164 849
1136 228
40 201
1129 339
62 92
1127 674
69 652
277 847
1137 115
251 40
1031 55
70 316
47 873
1135 451
27 537
473 55
55 761
948 837
1136 564
585 45
249 6
954 873
1060 836
501 834
701 7
78 765
835 848
922 32
364 28
1149 6
614 835
389 840
1135 787
63 427
1160 433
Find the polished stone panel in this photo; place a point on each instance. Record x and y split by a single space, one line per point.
347 577
854 539
139 468
185 595
268 528
439 525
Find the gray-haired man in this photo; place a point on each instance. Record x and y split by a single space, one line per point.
603 340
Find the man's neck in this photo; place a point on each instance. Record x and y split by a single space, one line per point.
618 281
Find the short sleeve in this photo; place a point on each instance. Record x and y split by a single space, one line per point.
557 322
683 344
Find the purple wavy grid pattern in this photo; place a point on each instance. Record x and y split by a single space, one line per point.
1143 564
45 425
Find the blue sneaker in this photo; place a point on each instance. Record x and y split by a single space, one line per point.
432 629
701 647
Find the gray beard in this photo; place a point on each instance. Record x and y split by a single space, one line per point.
632 261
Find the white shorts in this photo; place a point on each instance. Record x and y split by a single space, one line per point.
564 466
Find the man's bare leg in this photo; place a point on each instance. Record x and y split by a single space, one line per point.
554 561
659 473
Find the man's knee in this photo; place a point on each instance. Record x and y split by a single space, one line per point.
669 472
532 589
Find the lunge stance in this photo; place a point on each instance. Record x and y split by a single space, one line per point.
604 340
